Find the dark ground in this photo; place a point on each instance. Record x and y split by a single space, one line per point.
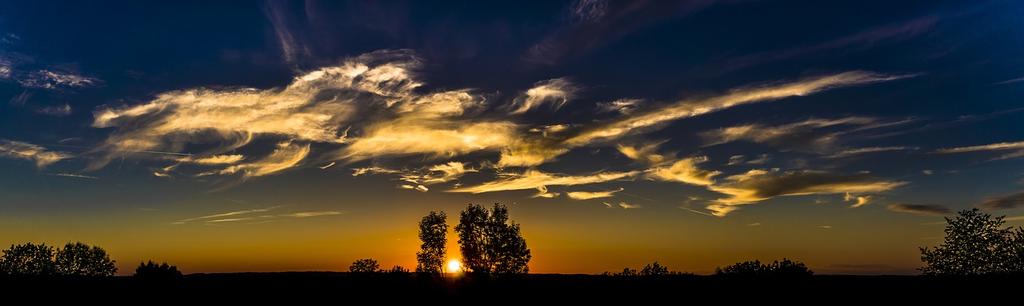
318 287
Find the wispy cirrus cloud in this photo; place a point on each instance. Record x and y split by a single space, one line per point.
1016 147
589 195
759 185
920 209
686 171
22 150
1009 201
556 92
869 150
257 214
823 136
696 107
533 179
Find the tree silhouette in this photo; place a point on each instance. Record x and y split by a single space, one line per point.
28 259
490 243
160 272
366 265
654 269
975 243
784 268
433 231
79 259
472 240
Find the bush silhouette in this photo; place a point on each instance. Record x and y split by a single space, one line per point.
28 259
153 271
79 259
366 265
490 243
398 270
976 243
784 268
433 231
654 269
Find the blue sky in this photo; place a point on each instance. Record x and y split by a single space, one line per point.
730 129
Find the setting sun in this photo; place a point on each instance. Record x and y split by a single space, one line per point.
454 266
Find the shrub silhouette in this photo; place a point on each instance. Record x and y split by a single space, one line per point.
153 271
28 259
79 259
366 265
976 243
433 231
490 243
654 269
784 268
398 270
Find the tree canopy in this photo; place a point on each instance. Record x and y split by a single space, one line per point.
976 243
366 265
433 231
490 243
74 259
79 259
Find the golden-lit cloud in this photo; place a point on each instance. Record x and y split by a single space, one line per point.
256 214
695 107
22 150
647 153
858 201
588 195
286 155
686 171
868 150
920 209
557 92
534 179
1018 147
758 185
625 205
437 138
802 135
212 160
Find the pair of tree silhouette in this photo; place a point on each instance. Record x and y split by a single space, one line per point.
489 243
74 259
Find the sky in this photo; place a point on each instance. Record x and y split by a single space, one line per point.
302 135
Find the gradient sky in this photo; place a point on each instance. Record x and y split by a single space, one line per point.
273 136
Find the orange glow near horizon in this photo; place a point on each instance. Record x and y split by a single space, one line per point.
454 266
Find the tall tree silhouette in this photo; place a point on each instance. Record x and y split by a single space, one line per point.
433 231
28 259
976 243
490 243
79 259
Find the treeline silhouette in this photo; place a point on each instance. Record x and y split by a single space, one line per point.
976 243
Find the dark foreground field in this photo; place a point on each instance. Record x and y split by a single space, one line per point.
315 287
